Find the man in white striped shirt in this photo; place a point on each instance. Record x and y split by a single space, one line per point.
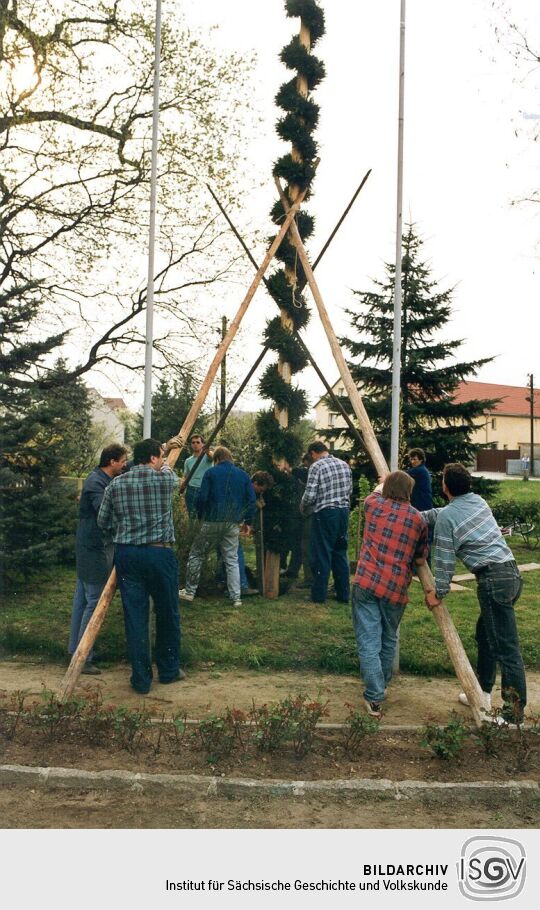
466 528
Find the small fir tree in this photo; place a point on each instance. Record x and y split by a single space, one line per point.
44 434
430 418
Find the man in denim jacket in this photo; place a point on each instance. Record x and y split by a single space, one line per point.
225 501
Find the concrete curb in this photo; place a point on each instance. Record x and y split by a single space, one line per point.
367 789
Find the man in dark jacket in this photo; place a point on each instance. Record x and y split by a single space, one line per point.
421 496
93 550
225 501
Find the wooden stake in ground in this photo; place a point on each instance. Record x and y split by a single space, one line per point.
441 615
259 550
85 645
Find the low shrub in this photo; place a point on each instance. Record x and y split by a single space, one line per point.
359 725
220 733
11 711
292 720
445 742
509 511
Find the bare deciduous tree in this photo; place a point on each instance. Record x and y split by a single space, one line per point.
76 83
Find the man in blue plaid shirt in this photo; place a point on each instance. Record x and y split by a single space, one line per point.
327 497
137 511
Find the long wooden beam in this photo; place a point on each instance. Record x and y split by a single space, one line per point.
442 617
90 634
232 330
85 645
301 285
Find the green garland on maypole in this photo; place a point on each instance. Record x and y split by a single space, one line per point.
276 425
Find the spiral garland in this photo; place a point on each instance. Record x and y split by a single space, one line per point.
276 425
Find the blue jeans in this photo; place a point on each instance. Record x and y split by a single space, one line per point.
376 622
86 596
191 496
145 572
221 534
328 552
499 586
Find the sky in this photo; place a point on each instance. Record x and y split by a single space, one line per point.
468 155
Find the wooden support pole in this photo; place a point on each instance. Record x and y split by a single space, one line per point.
441 615
301 285
370 440
232 330
90 634
83 649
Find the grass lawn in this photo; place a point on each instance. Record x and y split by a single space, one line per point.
518 490
286 633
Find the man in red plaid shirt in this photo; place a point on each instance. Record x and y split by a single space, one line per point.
395 538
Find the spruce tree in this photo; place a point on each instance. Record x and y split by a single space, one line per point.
429 416
44 433
171 402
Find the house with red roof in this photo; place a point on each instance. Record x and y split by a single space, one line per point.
508 424
505 428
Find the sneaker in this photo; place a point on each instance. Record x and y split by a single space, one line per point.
90 670
501 721
249 592
179 676
237 603
486 698
373 708
183 595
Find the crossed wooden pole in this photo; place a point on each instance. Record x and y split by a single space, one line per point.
452 640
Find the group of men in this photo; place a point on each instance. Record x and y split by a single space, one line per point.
132 518
132 512
396 538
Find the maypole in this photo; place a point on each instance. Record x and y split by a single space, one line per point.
282 446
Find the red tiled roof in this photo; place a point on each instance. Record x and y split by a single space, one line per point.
513 397
116 404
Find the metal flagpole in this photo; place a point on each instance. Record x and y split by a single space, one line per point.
396 356
396 359
149 337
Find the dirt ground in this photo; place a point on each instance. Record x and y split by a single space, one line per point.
22 808
411 699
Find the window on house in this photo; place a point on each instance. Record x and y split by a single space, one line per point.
493 423
332 417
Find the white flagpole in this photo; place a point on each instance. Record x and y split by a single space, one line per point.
149 338
396 359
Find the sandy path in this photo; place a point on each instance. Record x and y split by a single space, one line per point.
411 699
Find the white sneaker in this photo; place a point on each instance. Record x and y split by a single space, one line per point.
237 603
486 698
501 721
183 595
